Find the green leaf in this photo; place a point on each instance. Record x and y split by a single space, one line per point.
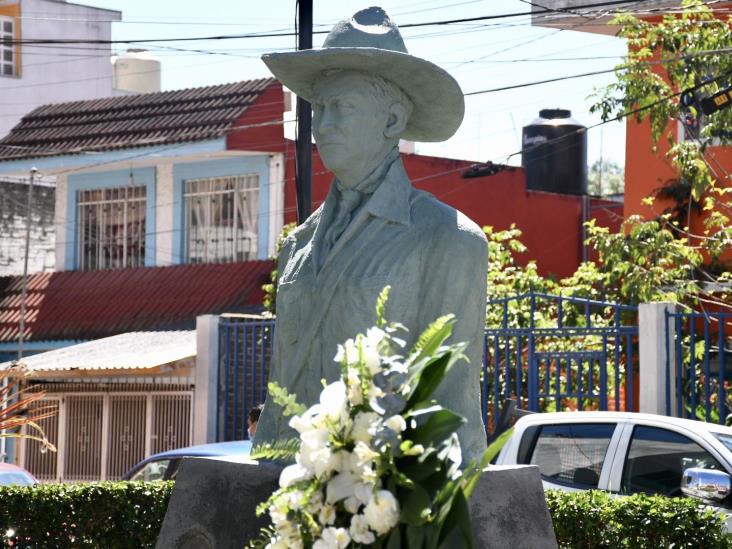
416 536
436 429
416 505
429 378
492 451
394 541
432 338
460 532
281 396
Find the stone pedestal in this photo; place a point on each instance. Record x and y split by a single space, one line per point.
213 506
508 510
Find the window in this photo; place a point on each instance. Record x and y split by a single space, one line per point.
572 453
221 215
7 46
111 228
155 470
657 458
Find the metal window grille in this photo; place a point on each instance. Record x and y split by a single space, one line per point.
7 48
221 219
111 228
43 464
83 452
171 422
126 433
99 436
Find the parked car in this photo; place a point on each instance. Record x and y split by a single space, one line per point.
164 466
627 453
12 475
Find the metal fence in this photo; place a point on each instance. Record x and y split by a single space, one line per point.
552 353
697 372
246 348
548 352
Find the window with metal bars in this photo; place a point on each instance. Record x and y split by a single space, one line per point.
221 216
111 228
7 46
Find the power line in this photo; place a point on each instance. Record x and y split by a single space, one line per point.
280 34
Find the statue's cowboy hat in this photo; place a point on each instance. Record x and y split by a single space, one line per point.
370 42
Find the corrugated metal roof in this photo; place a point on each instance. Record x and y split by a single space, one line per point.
130 351
93 304
141 120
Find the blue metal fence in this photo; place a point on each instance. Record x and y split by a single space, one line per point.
697 351
245 351
551 352
548 352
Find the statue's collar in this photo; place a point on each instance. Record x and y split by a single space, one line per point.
391 199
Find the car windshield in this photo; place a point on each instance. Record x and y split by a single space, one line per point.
725 439
15 479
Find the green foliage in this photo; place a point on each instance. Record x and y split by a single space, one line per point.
279 450
596 520
270 290
107 514
605 178
671 65
281 396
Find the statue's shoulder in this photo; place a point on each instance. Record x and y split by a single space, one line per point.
444 222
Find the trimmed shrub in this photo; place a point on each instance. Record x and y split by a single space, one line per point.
106 515
594 520
122 515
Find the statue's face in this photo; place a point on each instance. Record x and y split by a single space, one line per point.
348 123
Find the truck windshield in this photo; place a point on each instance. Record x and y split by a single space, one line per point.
725 439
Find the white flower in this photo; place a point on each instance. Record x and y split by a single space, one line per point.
312 419
396 423
362 492
333 538
374 336
277 543
321 461
348 352
333 401
382 512
340 487
359 530
327 514
292 474
355 392
362 462
363 426
372 359
352 504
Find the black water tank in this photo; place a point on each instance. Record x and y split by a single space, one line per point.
554 153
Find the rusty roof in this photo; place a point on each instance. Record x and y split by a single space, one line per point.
122 122
92 304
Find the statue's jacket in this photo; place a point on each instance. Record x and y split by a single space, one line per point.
433 257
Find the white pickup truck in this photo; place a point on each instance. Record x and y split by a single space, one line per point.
627 453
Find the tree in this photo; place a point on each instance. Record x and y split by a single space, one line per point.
605 178
673 66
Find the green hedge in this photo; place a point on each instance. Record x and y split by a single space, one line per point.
122 515
105 515
594 520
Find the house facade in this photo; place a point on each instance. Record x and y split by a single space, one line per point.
34 74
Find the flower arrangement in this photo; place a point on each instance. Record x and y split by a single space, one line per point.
377 462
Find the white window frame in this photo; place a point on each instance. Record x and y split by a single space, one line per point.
8 54
99 248
234 201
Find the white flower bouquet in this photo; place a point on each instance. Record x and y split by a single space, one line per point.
377 462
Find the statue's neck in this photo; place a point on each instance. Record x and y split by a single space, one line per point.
369 181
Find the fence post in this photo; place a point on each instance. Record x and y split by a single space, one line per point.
206 379
657 363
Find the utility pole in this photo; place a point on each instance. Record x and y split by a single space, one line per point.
24 288
304 160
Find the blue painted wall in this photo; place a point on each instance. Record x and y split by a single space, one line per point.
241 165
104 180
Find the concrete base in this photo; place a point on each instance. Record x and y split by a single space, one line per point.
508 509
213 506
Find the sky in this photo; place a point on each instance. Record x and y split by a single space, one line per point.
482 55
